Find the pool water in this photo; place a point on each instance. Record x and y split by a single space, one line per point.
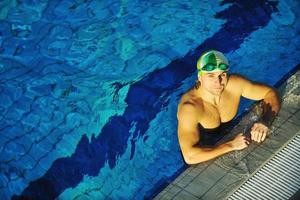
89 89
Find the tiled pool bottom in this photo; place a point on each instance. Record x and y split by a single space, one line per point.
217 178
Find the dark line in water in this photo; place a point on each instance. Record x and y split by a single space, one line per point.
145 101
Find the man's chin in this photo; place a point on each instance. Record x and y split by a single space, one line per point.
217 92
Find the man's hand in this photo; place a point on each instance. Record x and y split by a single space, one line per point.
259 132
239 142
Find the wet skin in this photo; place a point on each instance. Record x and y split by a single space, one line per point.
215 101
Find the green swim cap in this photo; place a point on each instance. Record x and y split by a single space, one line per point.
212 61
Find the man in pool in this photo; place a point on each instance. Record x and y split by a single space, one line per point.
205 111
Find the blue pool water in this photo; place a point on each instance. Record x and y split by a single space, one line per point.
89 89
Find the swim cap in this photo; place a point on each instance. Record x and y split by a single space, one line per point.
212 61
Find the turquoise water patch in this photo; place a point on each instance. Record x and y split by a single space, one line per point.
62 61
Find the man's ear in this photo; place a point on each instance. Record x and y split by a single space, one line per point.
199 79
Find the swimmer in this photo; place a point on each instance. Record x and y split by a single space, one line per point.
207 110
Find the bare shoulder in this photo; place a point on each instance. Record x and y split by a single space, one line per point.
237 79
189 108
247 88
236 83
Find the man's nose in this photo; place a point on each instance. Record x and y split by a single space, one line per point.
218 80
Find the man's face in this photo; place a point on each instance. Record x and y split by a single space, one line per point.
214 82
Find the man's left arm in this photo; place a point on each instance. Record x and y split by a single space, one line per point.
270 105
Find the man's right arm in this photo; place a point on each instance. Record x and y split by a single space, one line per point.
188 137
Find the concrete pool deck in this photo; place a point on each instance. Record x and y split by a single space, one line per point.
217 178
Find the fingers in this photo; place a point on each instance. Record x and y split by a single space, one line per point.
264 135
247 140
260 136
264 132
240 142
256 135
254 132
259 132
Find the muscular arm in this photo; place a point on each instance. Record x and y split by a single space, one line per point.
270 104
188 137
258 91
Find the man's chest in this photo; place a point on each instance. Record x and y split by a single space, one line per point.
228 107
223 112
